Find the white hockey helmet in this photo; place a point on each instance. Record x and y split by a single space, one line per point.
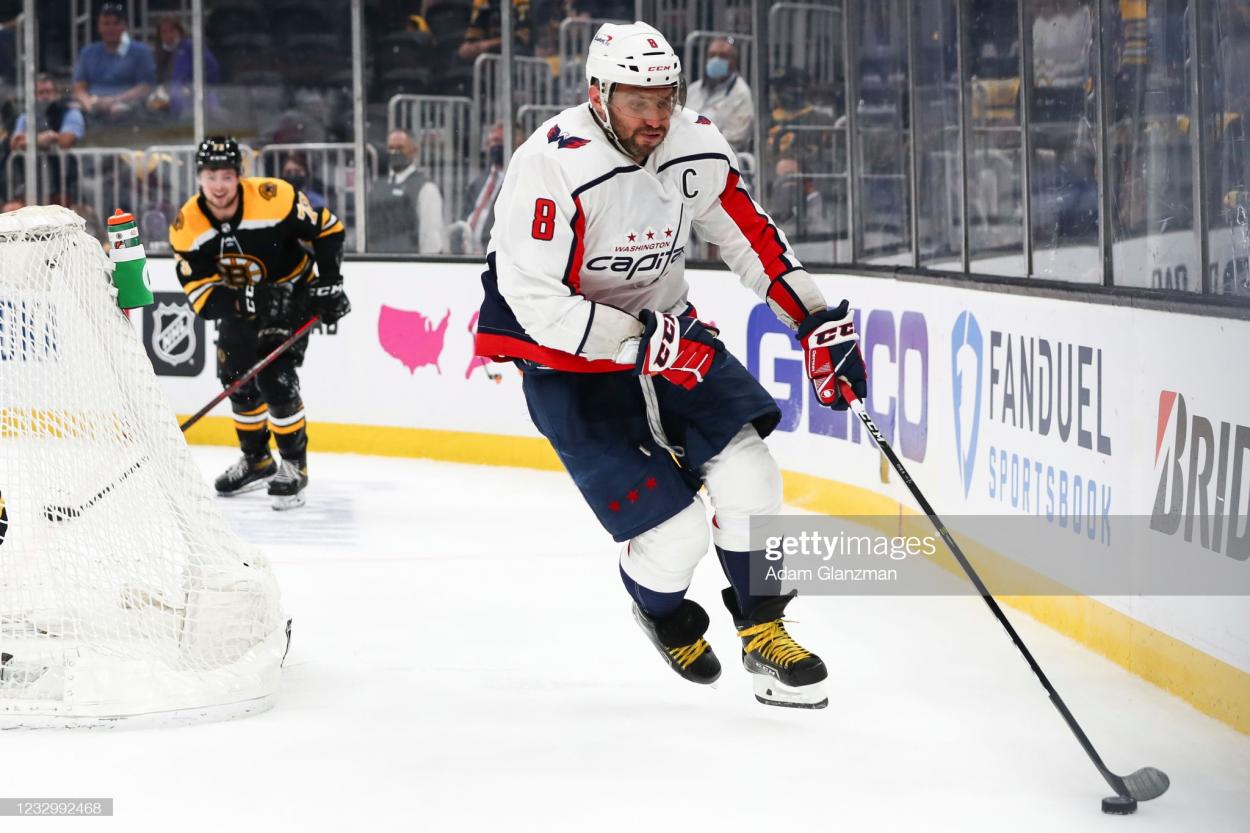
632 53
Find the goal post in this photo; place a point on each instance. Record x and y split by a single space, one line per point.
124 596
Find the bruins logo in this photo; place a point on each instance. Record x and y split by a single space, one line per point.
184 268
179 221
268 190
238 270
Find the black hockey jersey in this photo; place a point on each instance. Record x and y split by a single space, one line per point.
275 236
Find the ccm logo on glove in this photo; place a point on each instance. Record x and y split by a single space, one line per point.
831 352
680 350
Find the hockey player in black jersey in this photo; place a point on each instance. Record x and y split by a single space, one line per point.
254 255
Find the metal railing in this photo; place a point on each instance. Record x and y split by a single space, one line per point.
530 116
571 44
806 36
152 183
532 82
333 174
448 141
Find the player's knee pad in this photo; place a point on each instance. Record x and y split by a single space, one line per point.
279 383
742 481
664 557
227 373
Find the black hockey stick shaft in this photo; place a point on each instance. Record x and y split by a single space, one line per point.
62 513
1147 783
251 374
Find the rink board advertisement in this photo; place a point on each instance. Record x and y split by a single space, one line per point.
998 404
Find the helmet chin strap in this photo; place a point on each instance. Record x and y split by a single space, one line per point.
605 91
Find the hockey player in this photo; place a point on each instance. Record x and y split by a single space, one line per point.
585 291
245 251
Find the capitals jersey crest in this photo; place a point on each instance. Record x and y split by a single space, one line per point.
564 140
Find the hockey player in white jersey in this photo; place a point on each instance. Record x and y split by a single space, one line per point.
585 292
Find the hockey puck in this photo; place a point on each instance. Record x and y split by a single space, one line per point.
1119 805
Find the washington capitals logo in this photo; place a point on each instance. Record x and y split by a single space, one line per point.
564 139
702 120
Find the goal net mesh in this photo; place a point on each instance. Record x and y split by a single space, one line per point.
122 591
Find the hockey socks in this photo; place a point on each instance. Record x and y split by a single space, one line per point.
784 672
737 567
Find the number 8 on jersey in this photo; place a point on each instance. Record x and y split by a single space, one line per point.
544 227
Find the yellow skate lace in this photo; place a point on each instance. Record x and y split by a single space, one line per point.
773 643
687 654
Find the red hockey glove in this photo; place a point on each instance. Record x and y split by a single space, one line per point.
680 349
831 352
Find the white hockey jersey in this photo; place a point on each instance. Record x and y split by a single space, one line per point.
585 239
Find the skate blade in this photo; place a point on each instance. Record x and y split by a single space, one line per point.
772 693
250 487
282 503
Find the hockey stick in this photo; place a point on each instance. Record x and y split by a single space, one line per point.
67 512
63 513
1142 785
256 368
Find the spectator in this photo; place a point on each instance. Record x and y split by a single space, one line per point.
723 95
484 34
114 74
405 206
295 171
175 68
799 130
797 204
482 192
61 125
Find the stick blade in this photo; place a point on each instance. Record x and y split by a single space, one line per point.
1147 783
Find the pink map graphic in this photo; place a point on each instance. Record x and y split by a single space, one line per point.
412 338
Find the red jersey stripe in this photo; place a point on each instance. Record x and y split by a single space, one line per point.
755 227
504 348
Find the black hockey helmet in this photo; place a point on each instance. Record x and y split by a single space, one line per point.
218 152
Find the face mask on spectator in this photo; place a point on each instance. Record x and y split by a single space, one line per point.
297 180
397 161
717 68
494 155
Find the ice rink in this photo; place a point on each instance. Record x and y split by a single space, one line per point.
463 658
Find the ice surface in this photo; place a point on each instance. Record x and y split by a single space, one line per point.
463 659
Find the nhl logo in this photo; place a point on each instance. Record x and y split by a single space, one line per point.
174 336
173 333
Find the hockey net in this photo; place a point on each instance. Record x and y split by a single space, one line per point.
123 594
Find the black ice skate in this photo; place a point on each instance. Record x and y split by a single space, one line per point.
679 639
287 486
249 473
785 673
